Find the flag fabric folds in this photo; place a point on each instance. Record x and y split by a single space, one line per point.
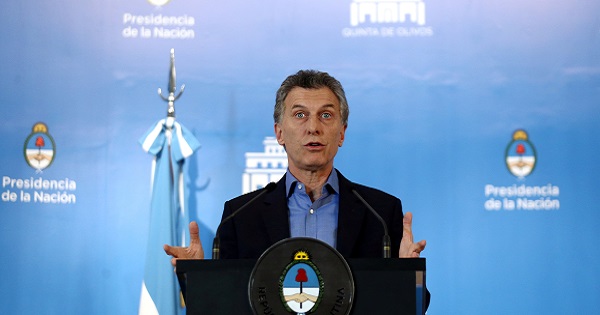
170 143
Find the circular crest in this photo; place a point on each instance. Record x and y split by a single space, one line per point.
301 276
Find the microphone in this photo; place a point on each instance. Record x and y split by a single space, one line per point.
217 241
387 247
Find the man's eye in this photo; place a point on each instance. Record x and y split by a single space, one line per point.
300 115
326 115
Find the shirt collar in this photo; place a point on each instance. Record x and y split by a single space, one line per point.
331 183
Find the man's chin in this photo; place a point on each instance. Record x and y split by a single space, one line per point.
316 166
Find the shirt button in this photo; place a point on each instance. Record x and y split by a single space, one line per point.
311 211
299 186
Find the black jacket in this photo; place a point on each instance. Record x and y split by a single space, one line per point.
266 221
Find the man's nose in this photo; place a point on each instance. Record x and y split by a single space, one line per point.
314 125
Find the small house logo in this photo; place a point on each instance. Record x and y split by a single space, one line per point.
39 149
388 11
520 155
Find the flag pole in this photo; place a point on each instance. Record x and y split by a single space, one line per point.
171 98
171 144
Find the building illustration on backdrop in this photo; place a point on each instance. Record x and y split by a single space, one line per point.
387 11
264 167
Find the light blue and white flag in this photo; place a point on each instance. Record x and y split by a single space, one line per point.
168 214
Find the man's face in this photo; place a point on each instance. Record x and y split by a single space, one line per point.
311 129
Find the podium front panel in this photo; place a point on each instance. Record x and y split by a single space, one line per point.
216 286
383 286
389 286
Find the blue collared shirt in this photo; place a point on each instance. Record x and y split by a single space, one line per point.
317 219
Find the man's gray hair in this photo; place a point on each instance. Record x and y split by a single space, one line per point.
310 79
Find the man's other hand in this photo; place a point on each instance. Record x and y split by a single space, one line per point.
194 251
408 248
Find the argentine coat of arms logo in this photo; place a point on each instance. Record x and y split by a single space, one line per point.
520 155
301 275
39 149
301 284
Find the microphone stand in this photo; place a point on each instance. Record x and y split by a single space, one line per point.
217 240
387 247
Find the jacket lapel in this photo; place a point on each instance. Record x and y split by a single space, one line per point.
350 218
275 213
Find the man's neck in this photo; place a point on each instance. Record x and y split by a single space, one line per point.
313 181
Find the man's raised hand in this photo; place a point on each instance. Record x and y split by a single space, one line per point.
194 251
408 248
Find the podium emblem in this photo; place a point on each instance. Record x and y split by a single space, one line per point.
301 275
301 284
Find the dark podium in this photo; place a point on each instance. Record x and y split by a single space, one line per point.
382 286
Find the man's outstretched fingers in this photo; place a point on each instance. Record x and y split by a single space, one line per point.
194 231
407 222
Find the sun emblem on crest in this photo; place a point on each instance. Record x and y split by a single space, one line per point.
301 255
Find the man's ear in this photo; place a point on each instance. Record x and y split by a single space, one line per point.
279 134
342 135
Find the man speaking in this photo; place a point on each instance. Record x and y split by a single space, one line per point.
313 199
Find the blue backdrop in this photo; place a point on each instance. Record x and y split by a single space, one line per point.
436 95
